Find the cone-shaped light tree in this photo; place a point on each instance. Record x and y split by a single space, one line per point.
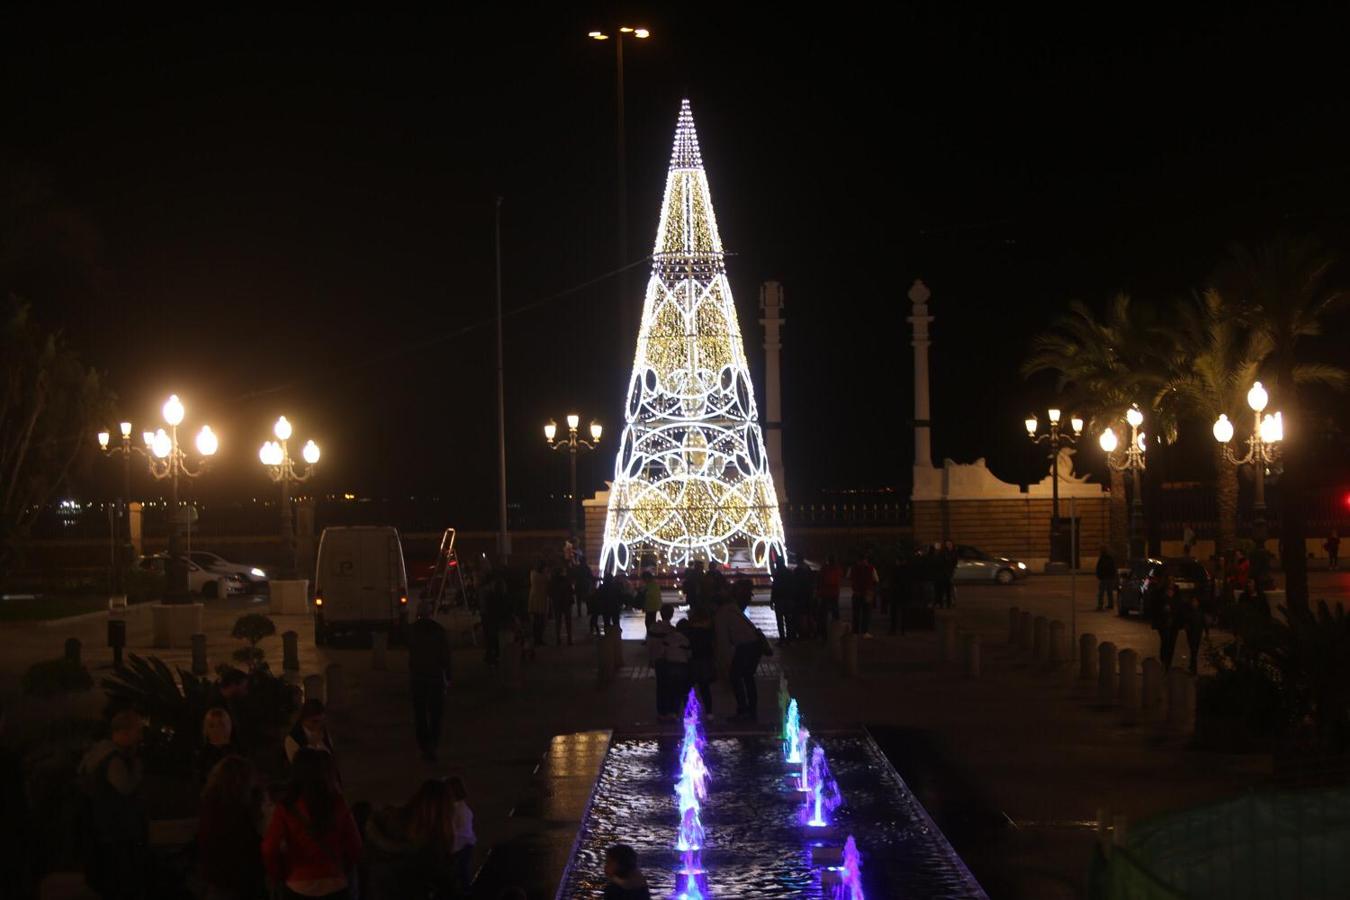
691 479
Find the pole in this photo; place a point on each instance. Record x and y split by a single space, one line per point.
572 497
1137 548
124 528
1073 580
177 586
503 537
625 316
287 522
1054 494
1259 498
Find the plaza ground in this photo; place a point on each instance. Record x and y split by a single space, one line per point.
1014 765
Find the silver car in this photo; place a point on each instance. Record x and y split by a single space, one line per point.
973 564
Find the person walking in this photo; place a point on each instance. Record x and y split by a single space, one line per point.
461 853
692 584
745 645
946 568
780 596
1106 579
560 593
699 632
538 606
312 844
801 598
229 832
651 598
1158 608
217 743
409 847
863 581
1333 548
1190 615
1187 538
495 610
428 677
656 656
111 772
583 585
827 590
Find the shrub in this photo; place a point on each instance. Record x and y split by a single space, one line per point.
55 677
252 628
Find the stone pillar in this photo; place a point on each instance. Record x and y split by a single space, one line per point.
1058 649
314 687
199 654
1039 639
1153 681
1129 685
771 305
920 319
1087 657
1106 673
379 646
1013 613
289 596
136 528
332 683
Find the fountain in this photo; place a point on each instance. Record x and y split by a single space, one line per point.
783 698
690 791
823 792
791 728
804 779
850 873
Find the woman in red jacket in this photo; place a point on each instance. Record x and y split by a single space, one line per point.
312 845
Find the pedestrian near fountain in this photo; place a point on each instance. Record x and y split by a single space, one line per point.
651 598
119 864
1106 579
409 847
698 630
692 583
312 844
229 832
494 606
625 879
309 732
801 596
863 581
461 856
538 605
583 585
560 604
428 676
1159 611
746 643
217 731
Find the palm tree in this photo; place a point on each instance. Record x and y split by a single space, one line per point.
1282 290
1105 365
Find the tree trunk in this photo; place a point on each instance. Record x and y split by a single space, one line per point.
1226 489
1293 524
1120 517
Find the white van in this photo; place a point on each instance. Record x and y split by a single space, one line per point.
360 583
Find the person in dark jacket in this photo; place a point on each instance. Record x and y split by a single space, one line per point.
1158 609
428 675
625 880
229 832
1188 614
217 742
1106 579
560 594
119 865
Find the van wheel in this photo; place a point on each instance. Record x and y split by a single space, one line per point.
211 590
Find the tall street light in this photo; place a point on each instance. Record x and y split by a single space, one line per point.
281 468
1132 461
167 459
1056 439
1262 450
572 444
121 537
626 318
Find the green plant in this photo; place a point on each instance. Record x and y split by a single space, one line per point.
172 704
143 584
252 628
54 677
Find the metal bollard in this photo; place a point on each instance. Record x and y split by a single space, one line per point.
1040 636
971 644
1106 673
1153 684
1024 630
199 654
1013 614
1087 657
290 651
314 687
1058 646
379 648
850 651
332 685
1129 685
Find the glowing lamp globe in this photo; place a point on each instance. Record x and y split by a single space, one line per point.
161 445
1139 442
1054 416
1077 423
125 428
1223 429
265 453
1108 441
1134 417
550 430
1272 428
573 421
103 439
1031 424
148 437
282 429
1257 397
596 429
310 452
173 410
207 442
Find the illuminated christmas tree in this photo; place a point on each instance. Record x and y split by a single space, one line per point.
691 479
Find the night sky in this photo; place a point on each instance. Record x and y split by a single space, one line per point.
285 212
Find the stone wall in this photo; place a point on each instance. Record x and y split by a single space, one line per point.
1010 527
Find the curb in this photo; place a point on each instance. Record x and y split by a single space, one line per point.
90 616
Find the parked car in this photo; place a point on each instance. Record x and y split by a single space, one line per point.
1189 577
252 576
200 581
973 564
360 583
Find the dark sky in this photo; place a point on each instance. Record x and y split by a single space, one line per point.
286 212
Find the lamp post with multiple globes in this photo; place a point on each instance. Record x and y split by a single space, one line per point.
282 468
1262 450
1130 460
121 538
1056 439
168 460
572 444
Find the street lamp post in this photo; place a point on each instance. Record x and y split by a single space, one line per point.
281 468
1262 450
572 443
167 459
122 536
1132 461
1056 439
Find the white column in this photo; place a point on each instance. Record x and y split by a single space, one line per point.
771 305
920 319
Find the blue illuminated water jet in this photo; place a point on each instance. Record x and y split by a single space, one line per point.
823 792
690 791
804 779
791 732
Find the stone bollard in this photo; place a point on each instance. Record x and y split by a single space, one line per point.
199 654
1153 684
290 651
946 636
971 646
1040 639
1106 673
1129 685
1013 615
379 648
1058 644
73 650
314 687
1024 630
1180 702
850 652
332 685
1087 657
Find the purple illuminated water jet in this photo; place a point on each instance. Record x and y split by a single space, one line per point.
850 873
690 790
823 792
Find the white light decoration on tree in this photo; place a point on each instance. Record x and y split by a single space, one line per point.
691 478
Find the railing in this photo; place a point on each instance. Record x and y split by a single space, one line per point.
847 514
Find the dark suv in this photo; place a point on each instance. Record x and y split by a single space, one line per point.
1188 577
